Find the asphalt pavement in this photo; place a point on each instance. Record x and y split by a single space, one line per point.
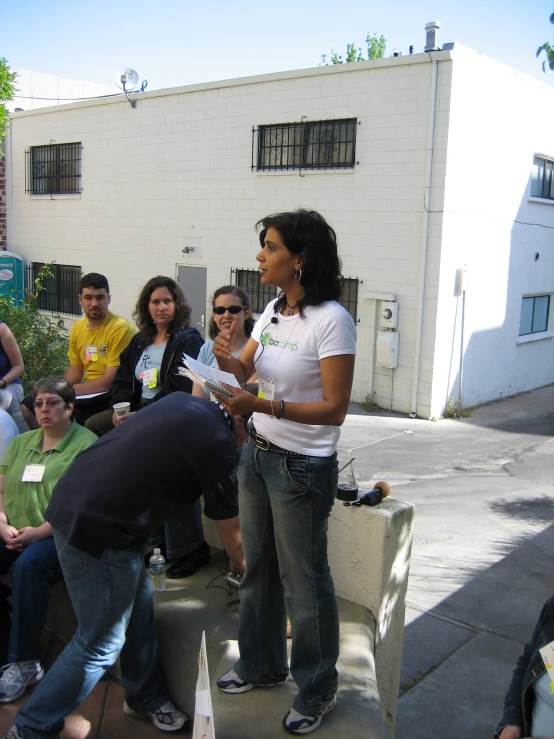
483 550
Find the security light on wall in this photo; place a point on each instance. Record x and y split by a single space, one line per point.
127 80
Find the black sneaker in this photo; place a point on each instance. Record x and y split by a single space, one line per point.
187 565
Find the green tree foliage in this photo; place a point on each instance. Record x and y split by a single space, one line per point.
7 91
548 50
43 341
376 46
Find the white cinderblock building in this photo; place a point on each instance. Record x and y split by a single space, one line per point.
439 176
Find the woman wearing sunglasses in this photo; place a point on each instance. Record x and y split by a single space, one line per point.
231 307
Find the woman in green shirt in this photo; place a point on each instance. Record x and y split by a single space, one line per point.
31 467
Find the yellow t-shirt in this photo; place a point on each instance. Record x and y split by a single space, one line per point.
98 348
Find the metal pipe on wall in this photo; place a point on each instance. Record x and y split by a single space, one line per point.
425 238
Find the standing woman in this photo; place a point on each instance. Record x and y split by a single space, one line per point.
303 348
11 369
230 305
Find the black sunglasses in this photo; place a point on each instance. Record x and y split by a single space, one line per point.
233 309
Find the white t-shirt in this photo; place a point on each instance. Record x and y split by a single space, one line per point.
288 356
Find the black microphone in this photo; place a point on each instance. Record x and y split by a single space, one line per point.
274 320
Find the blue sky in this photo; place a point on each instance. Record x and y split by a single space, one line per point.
179 42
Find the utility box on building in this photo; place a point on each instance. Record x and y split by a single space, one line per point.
12 276
386 354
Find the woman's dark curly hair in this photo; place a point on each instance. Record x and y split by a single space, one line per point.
307 233
142 316
244 299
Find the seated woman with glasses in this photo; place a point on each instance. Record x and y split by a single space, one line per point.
32 465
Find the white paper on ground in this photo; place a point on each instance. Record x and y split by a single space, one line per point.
210 373
203 712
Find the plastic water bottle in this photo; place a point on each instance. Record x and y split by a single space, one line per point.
157 571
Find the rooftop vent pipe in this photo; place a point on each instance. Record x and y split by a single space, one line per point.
432 36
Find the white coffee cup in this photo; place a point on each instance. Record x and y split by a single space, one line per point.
121 409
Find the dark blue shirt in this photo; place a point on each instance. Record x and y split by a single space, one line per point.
136 477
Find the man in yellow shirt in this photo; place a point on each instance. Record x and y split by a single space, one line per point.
95 343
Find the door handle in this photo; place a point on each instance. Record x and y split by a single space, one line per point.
201 321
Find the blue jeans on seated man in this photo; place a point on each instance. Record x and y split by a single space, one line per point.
33 572
285 503
112 598
182 534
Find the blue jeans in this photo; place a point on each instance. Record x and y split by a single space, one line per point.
285 502
33 572
182 534
112 599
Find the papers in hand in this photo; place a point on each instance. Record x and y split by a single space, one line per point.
199 373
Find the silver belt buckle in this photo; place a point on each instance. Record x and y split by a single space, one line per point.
261 442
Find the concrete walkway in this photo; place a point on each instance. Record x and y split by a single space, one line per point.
482 558
482 561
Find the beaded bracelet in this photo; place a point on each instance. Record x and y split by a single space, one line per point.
281 409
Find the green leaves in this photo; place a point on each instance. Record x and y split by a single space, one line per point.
7 91
43 341
376 47
549 51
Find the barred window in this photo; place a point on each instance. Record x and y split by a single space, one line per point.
349 297
260 295
54 169
307 145
61 291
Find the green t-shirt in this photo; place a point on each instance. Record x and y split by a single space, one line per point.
25 502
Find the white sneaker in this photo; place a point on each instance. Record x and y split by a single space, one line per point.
167 717
298 723
13 733
17 677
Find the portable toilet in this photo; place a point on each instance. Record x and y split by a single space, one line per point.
12 276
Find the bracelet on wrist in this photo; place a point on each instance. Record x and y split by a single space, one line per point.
272 412
281 409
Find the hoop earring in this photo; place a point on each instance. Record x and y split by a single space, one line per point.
298 275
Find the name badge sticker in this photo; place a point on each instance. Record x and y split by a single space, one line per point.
547 654
150 377
33 473
266 389
91 353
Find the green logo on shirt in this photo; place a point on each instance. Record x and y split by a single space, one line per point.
267 340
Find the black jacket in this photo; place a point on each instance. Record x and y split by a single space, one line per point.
126 387
518 704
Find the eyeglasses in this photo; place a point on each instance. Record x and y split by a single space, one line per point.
47 403
233 309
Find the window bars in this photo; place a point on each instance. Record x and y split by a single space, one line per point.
260 295
61 291
249 280
54 169
305 145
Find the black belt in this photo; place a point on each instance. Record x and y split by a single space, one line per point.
265 445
